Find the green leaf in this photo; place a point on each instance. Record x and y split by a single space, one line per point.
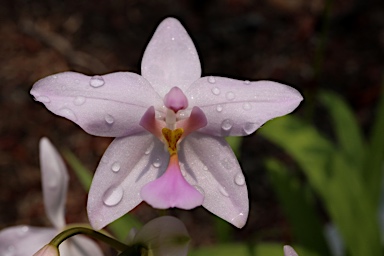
235 143
120 228
82 173
223 229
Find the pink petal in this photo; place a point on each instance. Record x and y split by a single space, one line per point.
236 108
210 164
289 251
171 190
48 250
24 240
175 99
170 58
128 164
109 105
195 121
55 183
151 124
164 236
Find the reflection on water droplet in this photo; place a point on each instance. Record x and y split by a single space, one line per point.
223 191
97 81
67 113
115 167
157 163
43 99
10 251
230 96
249 128
219 108
247 82
183 172
22 231
215 91
247 106
205 168
109 119
227 124
54 76
239 179
79 100
113 196
211 79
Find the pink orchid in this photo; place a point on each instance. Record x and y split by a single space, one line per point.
169 123
25 240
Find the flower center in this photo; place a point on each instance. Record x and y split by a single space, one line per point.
172 137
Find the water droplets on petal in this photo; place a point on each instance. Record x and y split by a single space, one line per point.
157 163
67 113
239 179
227 124
97 81
247 82
205 168
215 91
211 80
219 108
227 164
223 191
113 196
109 119
10 251
22 231
247 106
115 167
249 128
79 100
43 99
230 96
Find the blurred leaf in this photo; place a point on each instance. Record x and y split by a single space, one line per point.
235 143
223 229
295 201
120 228
82 173
344 123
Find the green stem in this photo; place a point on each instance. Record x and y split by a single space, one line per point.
57 240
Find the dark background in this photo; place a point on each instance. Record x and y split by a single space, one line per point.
310 45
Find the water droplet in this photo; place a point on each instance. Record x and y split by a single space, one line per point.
205 168
227 124
22 231
54 77
109 119
227 164
211 79
239 179
79 100
43 99
115 167
215 91
247 82
10 251
67 113
113 196
249 128
223 191
147 151
183 172
77 81
157 163
172 38
247 106
230 96
97 81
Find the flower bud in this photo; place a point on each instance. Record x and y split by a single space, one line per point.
48 250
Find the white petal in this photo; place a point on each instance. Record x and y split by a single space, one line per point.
127 165
24 240
170 58
210 164
235 108
112 107
55 183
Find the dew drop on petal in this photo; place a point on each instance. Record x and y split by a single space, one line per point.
115 167
97 81
215 91
219 108
247 82
43 99
239 179
113 196
249 128
226 164
10 251
22 231
230 96
227 124
79 100
109 119
211 80
223 191
67 113
183 172
247 106
205 168
54 77
157 163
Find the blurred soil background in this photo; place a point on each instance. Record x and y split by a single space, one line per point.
311 45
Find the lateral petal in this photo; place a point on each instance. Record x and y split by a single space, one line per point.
55 178
237 108
170 58
110 105
126 166
210 164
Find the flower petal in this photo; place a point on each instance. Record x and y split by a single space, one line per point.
55 183
210 164
171 190
127 164
170 58
109 105
164 236
236 108
289 251
81 246
24 240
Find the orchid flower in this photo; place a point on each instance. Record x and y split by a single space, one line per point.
25 240
169 124
289 251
